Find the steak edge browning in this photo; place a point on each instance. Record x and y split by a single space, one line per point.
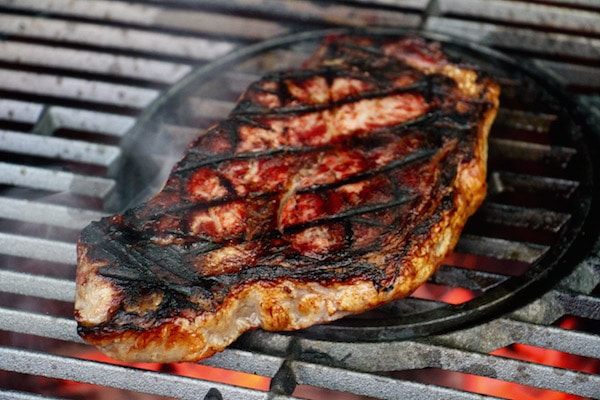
329 190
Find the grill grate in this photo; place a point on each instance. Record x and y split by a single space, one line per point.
76 75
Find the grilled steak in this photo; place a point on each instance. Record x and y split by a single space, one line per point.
329 190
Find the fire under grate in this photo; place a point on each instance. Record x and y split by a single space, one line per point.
75 79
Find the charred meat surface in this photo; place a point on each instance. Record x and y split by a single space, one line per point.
329 190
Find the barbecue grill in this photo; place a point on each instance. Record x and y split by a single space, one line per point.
99 98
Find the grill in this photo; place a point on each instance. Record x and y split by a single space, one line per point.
89 89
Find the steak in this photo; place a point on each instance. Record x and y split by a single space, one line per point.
329 190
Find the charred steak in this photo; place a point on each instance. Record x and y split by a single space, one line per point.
329 190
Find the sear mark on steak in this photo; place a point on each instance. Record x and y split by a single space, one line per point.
328 190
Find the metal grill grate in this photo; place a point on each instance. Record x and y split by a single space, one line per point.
76 75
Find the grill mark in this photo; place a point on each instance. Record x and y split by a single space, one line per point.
291 229
167 273
371 50
290 111
263 154
376 75
190 163
396 164
140 266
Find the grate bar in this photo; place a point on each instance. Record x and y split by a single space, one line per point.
552 44
414 4
37 248
39 325
46 213
500 248
555 304
20 111
573 74
114 37
521 217
517 149
148 15
581 305
525 373
565 340
127 378
92 62
519 119
372 385
514 182
584 3
583 280
36 285
57 117
55 181
527 13
502 332
338 13
76 89
59 148
245 361
12 395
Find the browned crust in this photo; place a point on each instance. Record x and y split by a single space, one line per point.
286 303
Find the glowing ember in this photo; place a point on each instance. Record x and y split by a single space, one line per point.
444 294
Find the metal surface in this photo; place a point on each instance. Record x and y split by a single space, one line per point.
84 70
